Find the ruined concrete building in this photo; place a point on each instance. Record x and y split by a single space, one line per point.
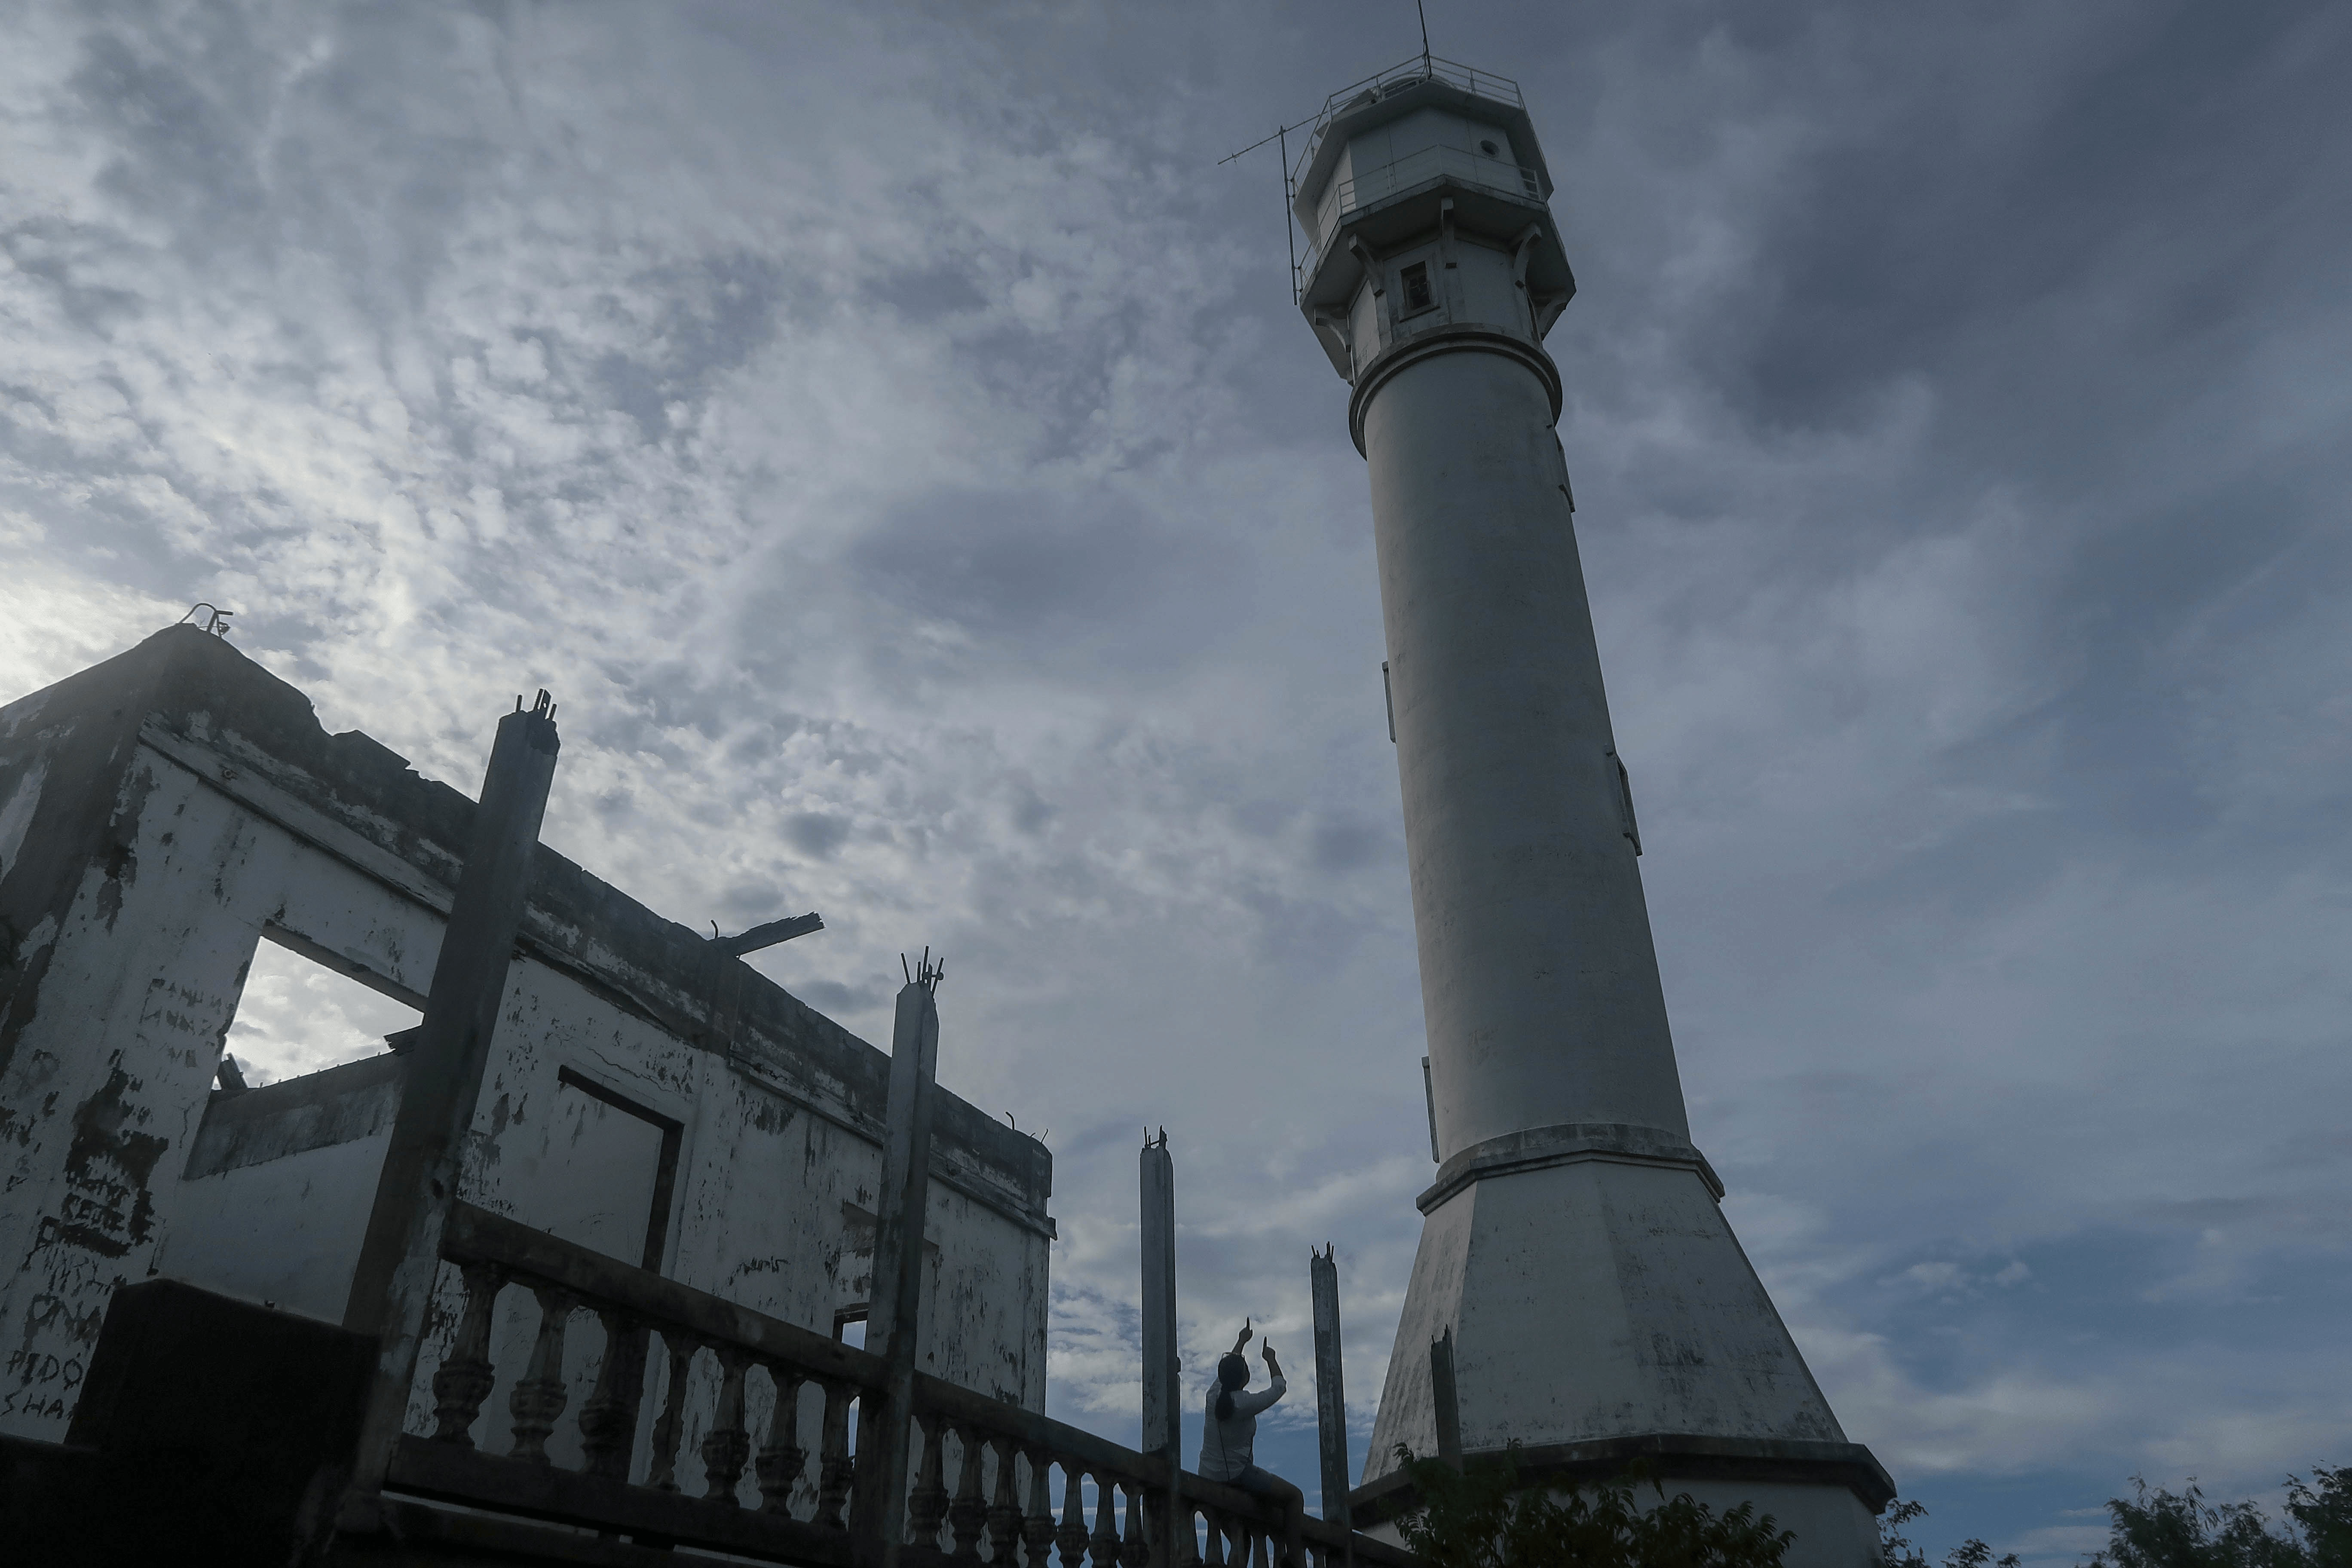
649 1095
600 1221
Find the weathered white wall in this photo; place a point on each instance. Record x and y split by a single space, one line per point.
114 1047
286 1232
774 1209
103 1091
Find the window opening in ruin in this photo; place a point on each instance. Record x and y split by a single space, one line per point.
298 1016
1417 295
606 1176
1490 149
849 1327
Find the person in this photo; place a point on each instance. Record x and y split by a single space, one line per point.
1229 1439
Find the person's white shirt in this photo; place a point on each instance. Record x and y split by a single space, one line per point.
1230 1447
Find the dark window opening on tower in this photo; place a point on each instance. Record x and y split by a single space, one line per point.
1626 821
1417 296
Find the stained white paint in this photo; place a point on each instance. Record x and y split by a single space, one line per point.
17 812
142 986
287 1232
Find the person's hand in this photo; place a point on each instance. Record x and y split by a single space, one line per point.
1245 1339
1272 1366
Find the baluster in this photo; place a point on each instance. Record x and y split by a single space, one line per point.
1262 1553
663 1475
836 1471
781 1457
608 1422
1213 1538
727 1445
1037 1526
1188 1544
927 1504
1071 1538
465 1377
969 1516
1136 1550
1104 1542
538 1397
1003 1510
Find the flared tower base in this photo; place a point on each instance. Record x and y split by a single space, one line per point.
1601 1311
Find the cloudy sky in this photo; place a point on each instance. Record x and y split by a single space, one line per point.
886 432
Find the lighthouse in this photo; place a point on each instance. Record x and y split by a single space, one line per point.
1576 1276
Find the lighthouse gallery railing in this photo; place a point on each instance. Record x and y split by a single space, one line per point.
1408 173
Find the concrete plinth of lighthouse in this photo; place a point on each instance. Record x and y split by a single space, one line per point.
1596 1307
1601 1311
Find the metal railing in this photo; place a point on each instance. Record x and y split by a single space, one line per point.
982 1490
1424 167
1420 69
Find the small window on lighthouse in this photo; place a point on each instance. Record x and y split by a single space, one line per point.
1417 296
1490 149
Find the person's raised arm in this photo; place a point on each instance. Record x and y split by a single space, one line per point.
1258 1399
1244 1338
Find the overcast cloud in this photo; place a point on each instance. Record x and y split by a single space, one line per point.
887 432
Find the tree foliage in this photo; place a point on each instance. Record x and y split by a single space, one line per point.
2166 1529
1895 1550
1486 1516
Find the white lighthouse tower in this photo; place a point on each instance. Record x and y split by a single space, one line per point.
1594 1303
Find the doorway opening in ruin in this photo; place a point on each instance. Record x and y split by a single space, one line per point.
305 1009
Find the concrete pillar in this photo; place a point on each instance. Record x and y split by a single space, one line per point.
879 1507
401 1254
1331 1388
1163 1397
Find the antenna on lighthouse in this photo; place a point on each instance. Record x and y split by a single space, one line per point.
1281 136
1290 190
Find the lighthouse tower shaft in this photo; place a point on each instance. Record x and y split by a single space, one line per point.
1599 1307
